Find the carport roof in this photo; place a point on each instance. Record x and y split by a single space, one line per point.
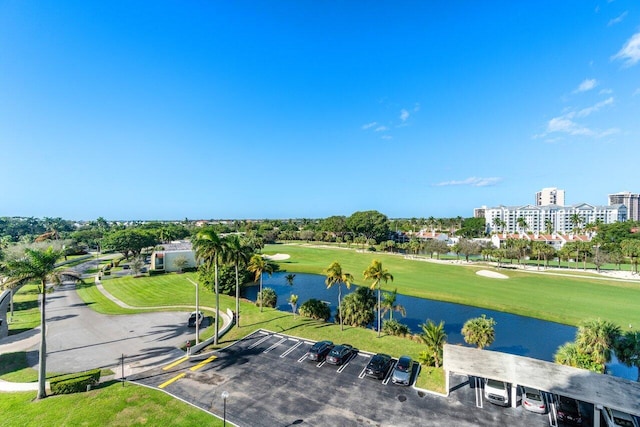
612 392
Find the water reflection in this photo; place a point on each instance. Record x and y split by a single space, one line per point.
519 335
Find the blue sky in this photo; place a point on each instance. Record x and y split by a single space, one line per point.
288 109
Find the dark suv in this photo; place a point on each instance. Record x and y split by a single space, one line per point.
378 366
319 350
568 411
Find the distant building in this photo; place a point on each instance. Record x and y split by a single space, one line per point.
549 218
550 196
479 212
164 260
630 200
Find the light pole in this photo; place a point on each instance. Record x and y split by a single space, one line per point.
197 311
225 394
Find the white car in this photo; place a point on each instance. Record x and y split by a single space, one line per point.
496 392
615 418
192 319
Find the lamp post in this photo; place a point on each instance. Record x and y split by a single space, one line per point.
197 311
225 394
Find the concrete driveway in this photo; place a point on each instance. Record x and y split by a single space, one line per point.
79 338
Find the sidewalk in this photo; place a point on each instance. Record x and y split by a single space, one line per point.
30 339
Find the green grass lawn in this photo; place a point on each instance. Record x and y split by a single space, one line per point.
26 313
109 404
562 299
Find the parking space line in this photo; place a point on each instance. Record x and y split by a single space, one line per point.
320 364
176 363
386 379
362 373
260 341
275 345
291 349
201 364
479 390
345 364
309 342
172 380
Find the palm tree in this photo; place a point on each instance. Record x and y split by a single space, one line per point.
522 224
209 248
479 331
377 274
335 276
258 265
389 304
293 301
597 337
548 224
237 253
289 278
434 337
39 265
575 219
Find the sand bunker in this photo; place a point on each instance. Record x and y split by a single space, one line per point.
278 257
492 274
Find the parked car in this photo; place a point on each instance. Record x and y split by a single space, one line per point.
319 351
378 366
568 410
533 401
402 373
192 319
341 354
615 418
496 392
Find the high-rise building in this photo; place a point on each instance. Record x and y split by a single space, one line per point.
630 200
550 196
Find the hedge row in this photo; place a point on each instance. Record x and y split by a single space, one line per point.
74 383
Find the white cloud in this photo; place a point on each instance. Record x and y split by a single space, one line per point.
472 181
381 129
416 107
404 115
630 52
637 92
369 125
587 111
386 137
586 85
606 91
618 19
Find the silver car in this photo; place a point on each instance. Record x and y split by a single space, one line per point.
402 372
532 400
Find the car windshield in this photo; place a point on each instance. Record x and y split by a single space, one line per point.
531 395
403 364
495 384
621 422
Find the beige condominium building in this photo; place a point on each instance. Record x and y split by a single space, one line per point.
630 200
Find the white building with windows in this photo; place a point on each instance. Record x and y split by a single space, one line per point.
630 200
550 218
550 196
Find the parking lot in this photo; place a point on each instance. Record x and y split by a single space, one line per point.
270 382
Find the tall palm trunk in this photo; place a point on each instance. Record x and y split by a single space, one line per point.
339 298
42 357
215 266
379 310
261 297
237 297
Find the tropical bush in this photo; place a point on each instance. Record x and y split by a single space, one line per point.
315 309
393 327
357 308
269 298
75 383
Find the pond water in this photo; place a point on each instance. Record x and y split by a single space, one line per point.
518 335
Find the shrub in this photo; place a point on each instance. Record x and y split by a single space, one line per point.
75 383
393 327
426 359
269 298
156 272
315 309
